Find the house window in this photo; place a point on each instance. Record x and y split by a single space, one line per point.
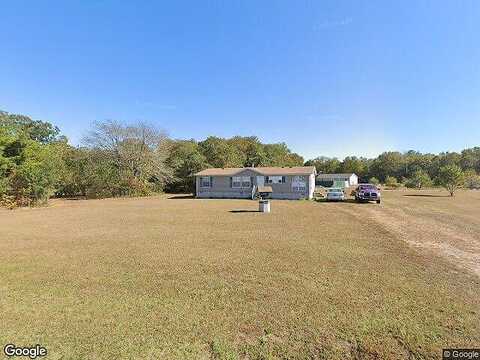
241 182
236 182
274 179
205 181
246 181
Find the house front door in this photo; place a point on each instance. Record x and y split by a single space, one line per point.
260 180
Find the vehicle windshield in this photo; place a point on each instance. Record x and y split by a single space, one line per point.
367 187
334 190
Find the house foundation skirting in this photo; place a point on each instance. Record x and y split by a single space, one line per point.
245 195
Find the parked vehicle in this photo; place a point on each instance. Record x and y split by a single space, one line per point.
335 194
367 192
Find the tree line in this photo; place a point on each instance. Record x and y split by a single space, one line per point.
118 159
411 169
115 159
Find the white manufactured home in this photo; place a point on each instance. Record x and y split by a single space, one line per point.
286 182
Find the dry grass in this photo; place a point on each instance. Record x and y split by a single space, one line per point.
184 278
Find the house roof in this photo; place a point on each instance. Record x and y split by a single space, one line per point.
329 176
295 170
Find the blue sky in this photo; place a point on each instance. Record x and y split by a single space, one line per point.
327 77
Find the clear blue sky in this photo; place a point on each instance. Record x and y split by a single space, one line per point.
307 73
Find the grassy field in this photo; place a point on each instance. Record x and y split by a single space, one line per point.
212 279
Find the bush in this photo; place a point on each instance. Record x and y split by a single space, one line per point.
391 182
418 180
3 185
8 201
472 181
374 181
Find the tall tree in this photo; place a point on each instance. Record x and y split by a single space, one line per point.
353 164
280 155
252 150
30 158
36 130
416 161
389 163
325 165
185 159
470 159
136 153
220 153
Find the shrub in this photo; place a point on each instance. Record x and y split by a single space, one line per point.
418 180
472 181
392 182
8 201
374 181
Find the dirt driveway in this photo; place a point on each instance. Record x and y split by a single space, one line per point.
430 221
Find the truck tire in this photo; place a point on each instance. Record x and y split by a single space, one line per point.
378 201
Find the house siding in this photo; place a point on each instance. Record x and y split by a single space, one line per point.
221 188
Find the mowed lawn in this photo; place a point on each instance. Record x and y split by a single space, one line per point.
160 278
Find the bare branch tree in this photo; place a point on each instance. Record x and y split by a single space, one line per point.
139 151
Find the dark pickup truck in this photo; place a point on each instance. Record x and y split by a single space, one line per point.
367 192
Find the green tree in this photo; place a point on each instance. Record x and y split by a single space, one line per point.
419 179
441 160
280 155
389 163
30 158
472 179
74 179
294 159
325 165
391 182
36 130
470 159
185 159
7 162
251 150
220 153
34 180
451 178
353 164
374 181
415 161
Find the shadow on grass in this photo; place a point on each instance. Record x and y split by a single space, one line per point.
180 197
243 211
425 195
346 201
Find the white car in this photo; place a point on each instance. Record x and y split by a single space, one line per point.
335 194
